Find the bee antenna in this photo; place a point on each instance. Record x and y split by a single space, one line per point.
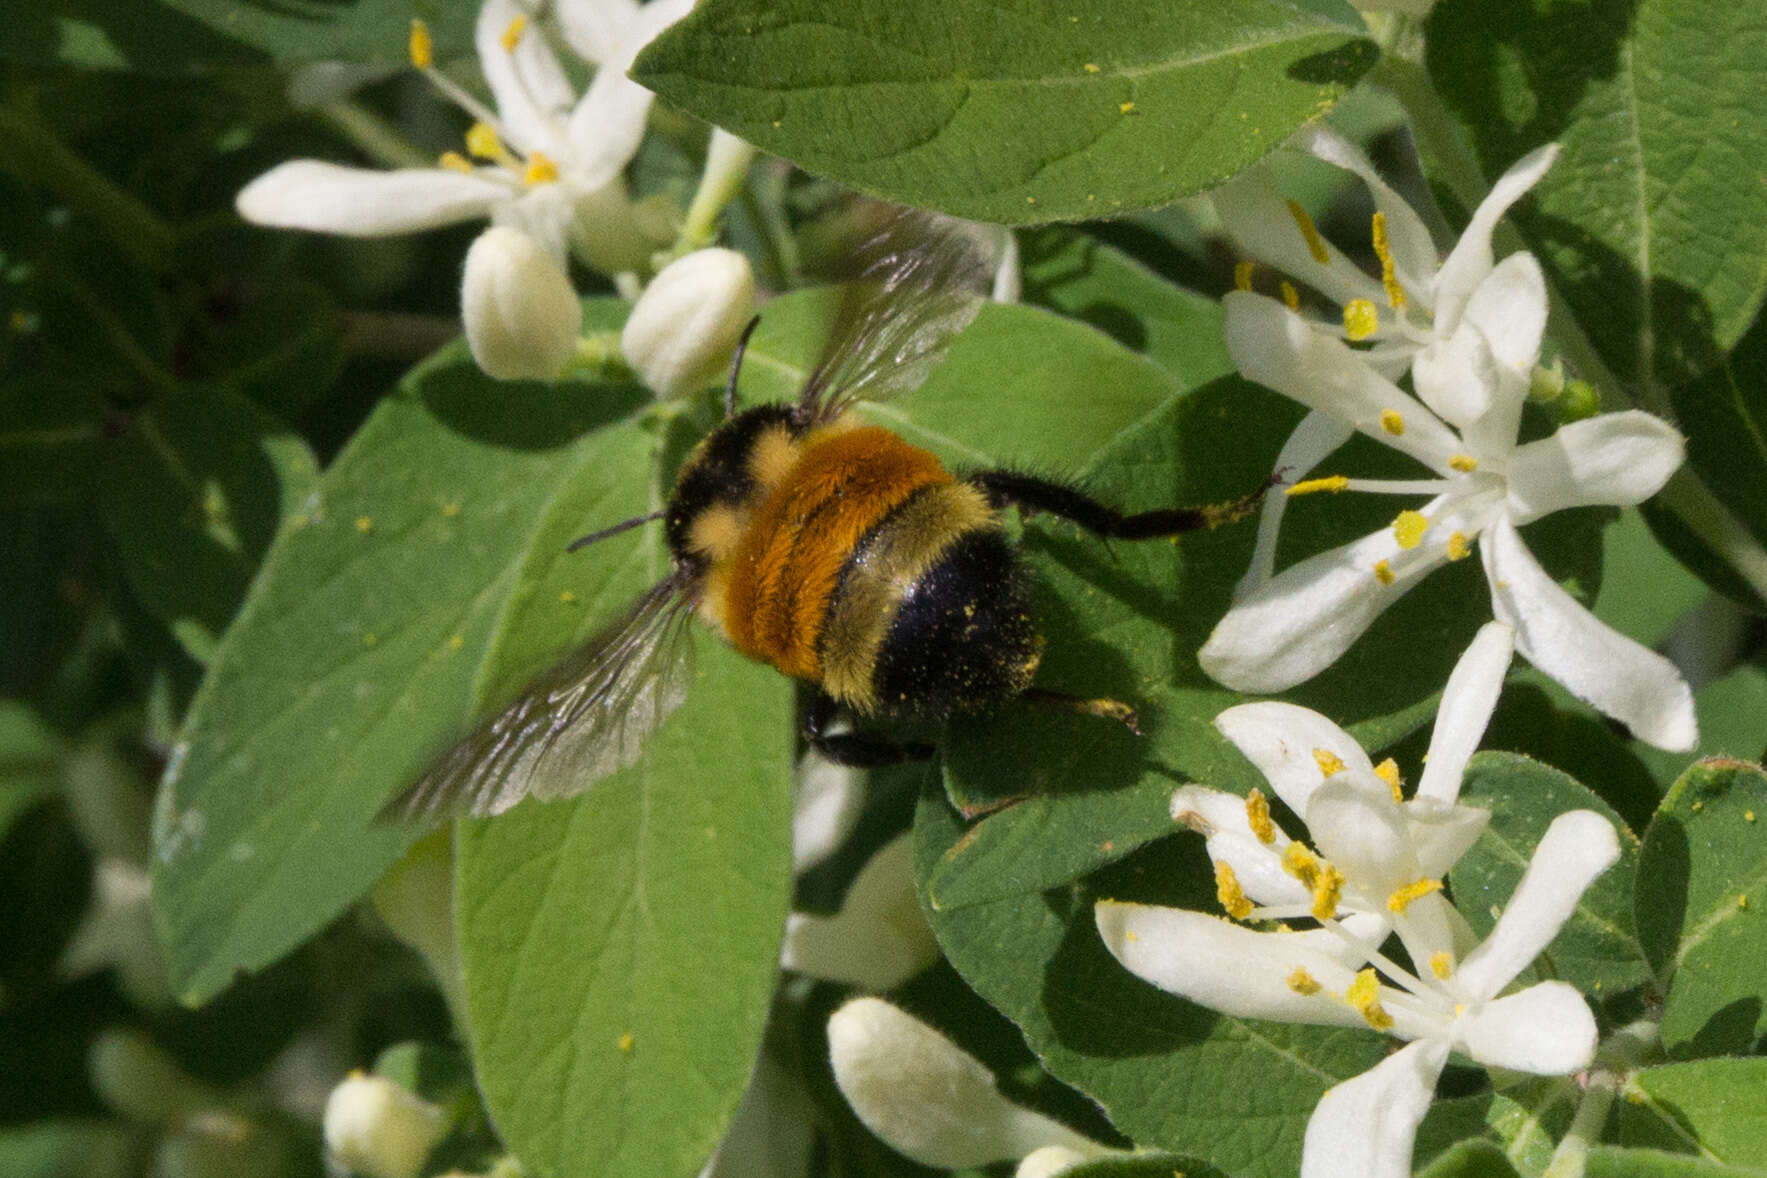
742 345
623 526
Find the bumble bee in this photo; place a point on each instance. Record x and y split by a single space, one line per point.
831 549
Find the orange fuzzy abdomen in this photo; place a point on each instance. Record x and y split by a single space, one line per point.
785 569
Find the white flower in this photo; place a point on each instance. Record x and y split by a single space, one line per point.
521 314
1364 1127
546 162
935 1103
879 939
684 327
1470 334
375 1127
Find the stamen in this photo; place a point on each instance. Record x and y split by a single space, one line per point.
1388 771
1383 572
423 48
1408 529
482 142
1383 250
1401 899
1442 964
1392 422
1303 983
455 162
512 34
1299 861
1458 546
1228 891
1242 275
1328 761
1334 482
1328 890
540 169
1257 813
1291 298
1364 995
1464 463
1361 320
1315 243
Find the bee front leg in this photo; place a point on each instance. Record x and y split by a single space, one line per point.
1034 494
855 750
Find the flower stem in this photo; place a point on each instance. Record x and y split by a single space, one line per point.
29 149
1572 1154
373 136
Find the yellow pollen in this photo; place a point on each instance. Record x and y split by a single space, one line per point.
1315 243
1384 251
1291 298
566 597
1464 463
451 509
455 162
1383 572
1242 275
1361 319
1125 107
1091 68
1442 964
540 169
1392 421
1401 899
625 1041
1458 548
1334 482
1409 527
1302 982
482 141
1742 901
364 524
1328 761
1748 815
423 49
456 641
512 34
1231 895
1257 813
1328 889
370 639
1364 995
1299 861
1388 771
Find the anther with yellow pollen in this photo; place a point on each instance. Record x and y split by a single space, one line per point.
1230 893
1303 983
1257 813
1402 898
1328 761
1388 771
1388 271
1361 320
1408 529
1393 422
1364 995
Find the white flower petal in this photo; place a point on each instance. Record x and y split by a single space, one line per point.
596 29
1298 623
1312 441
521 314
1457 376
930 1100
1441 832
527 83
1365 1127
1509 307
1281 740
1258 219
1616 459
827 806
1274 346
680 335
1356 824
1413 250
1224 966
1050 1161
1467 703
1470 260
879 939
1576 848
607 126
1599 666
363 202
1545 1029
1229 839
375 1127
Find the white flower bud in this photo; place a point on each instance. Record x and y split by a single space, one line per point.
879 939
377 1128
686 324
522 317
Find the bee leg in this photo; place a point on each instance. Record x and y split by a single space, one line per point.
1034 494
742 346
1104 708
856 750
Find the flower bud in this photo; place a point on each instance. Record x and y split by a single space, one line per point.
377 1128
522 317
879 939
686 324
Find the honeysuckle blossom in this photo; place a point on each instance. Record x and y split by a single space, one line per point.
375 1127
685 325
520 312
937 1104
1469 333
1453 1002
543 161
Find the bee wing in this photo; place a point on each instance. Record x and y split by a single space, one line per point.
573 725
920 279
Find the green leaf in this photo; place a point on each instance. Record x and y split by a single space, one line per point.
1644 590
1714 1107
50 434
1729 711
1597 950
187 36
1653 218
1019 114
619 950
1702 907
194 489
1144 1166
1470 1159
30 761
1725 418
67 1148
1171 1075
1608 1162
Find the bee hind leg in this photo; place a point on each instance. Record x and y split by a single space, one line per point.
1030 493
855 750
